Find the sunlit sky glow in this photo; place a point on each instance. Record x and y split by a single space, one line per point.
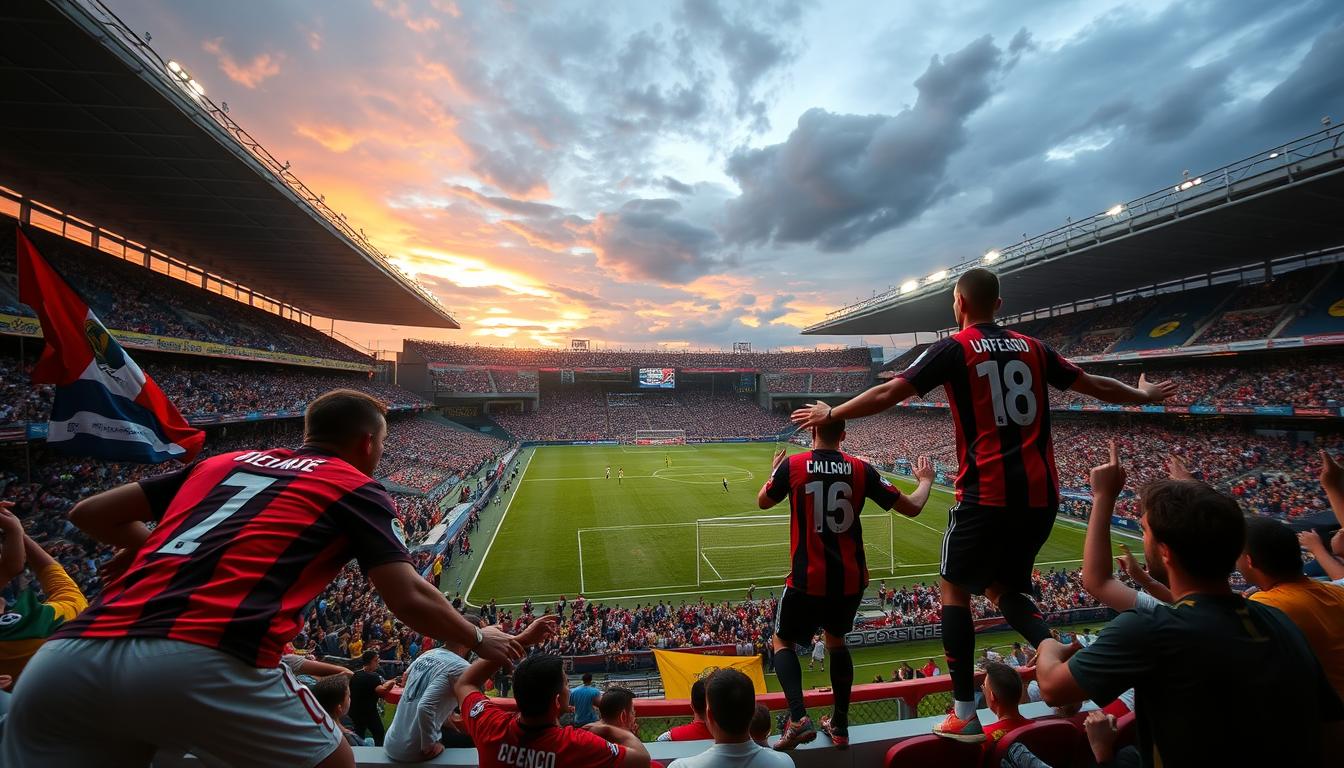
696 173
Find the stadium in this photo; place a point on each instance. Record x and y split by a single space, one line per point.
620 491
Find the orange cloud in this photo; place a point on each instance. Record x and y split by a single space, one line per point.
260 68
399 10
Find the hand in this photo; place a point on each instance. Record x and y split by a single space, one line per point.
1311 541
1101 734
539 631
778 458
924 471
431 752
10 524
1177 469
1331 472
1109 478
1131 564
6 682
1156 391
813 415
114 568
1337 542
498 646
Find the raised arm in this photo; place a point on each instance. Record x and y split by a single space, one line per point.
913 503
875 400
12 548
1311 541
1111 390
1332 480
1108 480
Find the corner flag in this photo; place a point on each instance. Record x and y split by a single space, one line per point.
105 406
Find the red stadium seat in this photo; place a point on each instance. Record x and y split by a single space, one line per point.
1128 730
933 750
1055 741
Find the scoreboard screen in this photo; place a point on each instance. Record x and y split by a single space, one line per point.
657 378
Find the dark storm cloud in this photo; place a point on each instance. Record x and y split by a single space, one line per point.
839 180
1020 196
749 50
646 239
1316 85
509 204
779 306
1180 108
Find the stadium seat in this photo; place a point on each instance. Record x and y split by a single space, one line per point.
933 750
1054 741
1128 730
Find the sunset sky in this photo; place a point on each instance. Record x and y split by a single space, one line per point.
700 172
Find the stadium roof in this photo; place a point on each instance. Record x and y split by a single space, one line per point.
1279 203
95 123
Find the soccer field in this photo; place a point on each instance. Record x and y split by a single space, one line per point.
568 529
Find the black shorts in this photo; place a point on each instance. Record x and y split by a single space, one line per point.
994 545
800 614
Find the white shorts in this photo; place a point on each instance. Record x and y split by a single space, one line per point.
83 702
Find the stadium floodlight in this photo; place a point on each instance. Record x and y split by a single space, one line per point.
1115 210
174 67
909 285
937 276
194 89
992 256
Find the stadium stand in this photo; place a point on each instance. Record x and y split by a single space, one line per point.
461 354
132 298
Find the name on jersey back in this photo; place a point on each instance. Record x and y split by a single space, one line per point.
815 467
297 463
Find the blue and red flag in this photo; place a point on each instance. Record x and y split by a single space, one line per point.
105 406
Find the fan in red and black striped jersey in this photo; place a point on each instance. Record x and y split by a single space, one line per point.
189 636
1007 486
828 571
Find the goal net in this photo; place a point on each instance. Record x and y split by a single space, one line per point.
750 548
660 437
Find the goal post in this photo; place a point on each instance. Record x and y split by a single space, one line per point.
732 549
660 437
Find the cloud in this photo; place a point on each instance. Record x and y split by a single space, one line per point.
839 180
677 187
646 239
401 11
248 74
509 204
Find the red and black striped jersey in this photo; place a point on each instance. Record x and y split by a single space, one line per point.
995 381
244 541
826 491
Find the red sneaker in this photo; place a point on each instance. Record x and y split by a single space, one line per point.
965 731
793 734
839 736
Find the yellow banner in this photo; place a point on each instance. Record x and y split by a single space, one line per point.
680 670
27 326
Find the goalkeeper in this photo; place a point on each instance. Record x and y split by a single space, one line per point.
826 490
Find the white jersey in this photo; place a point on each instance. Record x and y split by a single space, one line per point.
819 651
426 703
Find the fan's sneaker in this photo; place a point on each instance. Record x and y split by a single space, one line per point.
965 731
794 734
839 736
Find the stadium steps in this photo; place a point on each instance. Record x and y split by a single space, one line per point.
494 387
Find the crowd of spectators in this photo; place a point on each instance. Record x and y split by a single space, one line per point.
422 454
201 386
1234 326
462 354
840 381
129 297
585 411
467 381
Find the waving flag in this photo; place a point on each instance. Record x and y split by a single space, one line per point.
105 405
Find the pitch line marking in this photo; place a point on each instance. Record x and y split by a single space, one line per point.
498 528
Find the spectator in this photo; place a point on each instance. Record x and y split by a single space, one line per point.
423 723
533 735
931 669
1329 559
1210 646
732 707
367 688
697 729
616 708
1003 692
333 695
584 699
1273 563
760 723
28 621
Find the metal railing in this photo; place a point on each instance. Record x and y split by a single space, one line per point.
1192 193
96 11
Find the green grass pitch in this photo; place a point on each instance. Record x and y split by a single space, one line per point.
567 528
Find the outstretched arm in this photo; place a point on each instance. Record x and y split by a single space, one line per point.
424 609
912 504
876 400
1111 390
116 516
1108 480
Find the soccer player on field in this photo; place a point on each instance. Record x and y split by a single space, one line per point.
828 572
725 485
182 649
1007 488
